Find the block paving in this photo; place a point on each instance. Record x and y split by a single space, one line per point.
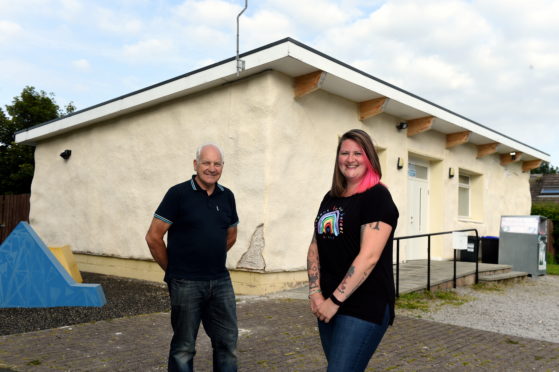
276 334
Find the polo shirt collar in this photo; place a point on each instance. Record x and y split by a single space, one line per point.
196 187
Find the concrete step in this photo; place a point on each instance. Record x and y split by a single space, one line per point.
510 276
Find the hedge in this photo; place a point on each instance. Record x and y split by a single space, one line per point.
551 211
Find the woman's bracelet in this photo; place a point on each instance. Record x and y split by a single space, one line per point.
335 300
314 291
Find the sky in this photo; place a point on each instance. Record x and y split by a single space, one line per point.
493 61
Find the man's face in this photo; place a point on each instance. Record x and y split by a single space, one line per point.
208 168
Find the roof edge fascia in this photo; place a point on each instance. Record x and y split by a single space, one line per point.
148 96
352 74
226 70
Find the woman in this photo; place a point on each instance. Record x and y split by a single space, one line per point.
351 282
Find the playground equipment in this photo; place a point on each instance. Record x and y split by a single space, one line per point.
31 276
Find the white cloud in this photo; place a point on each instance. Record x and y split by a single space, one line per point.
147 50
116 22
494 61
68 9
9 30
212 13
313 15
81 64
11 8
262 28
202 36
517 17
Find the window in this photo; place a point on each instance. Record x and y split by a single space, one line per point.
549 191
417 171
464 195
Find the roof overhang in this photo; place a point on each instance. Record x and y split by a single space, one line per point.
293 59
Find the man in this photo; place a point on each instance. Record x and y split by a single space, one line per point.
201 218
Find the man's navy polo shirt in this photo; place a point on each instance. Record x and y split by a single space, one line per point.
197 238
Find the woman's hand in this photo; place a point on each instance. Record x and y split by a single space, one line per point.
315 300
326 310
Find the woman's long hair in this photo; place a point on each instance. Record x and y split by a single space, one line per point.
372 174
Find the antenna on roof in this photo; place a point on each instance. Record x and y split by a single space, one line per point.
240 62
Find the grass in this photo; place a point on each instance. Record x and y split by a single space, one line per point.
552 269
425 300
489 287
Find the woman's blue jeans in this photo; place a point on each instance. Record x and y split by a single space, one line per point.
212 303
349 342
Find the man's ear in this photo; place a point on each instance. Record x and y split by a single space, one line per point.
195 164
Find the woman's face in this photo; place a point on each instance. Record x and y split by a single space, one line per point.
352 161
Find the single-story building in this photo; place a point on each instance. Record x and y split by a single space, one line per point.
278 122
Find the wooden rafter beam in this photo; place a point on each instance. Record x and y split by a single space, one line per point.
373 107
458 138
508 158
308 83
486 149
416 126
527 166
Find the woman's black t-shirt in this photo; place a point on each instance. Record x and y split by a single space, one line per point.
338 234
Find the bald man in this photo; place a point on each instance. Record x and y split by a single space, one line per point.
200 218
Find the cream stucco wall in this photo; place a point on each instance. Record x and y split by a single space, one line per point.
279 158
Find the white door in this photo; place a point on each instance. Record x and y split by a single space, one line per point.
418 201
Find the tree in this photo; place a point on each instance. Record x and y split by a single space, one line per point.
545 168
17 165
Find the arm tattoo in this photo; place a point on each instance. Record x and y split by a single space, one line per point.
313 281
314 274
372 226
313 268
342 287
365 275
349 274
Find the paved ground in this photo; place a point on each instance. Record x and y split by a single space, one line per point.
277 334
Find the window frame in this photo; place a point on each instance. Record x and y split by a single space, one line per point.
467 187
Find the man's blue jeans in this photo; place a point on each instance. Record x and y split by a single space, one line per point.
349 342
211 302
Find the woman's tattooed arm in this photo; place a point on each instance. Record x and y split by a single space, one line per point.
374 236
313 267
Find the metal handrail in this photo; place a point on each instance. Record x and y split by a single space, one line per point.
476 247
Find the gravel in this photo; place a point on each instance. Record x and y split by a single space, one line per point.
125 297
527 309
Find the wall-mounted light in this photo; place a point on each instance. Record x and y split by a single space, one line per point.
400 163
450 172
66 154
513 155
402 125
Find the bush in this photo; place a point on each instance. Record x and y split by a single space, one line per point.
551 211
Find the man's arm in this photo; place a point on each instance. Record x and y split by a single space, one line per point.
156 244
231 236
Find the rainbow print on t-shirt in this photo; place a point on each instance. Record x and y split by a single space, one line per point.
329 223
